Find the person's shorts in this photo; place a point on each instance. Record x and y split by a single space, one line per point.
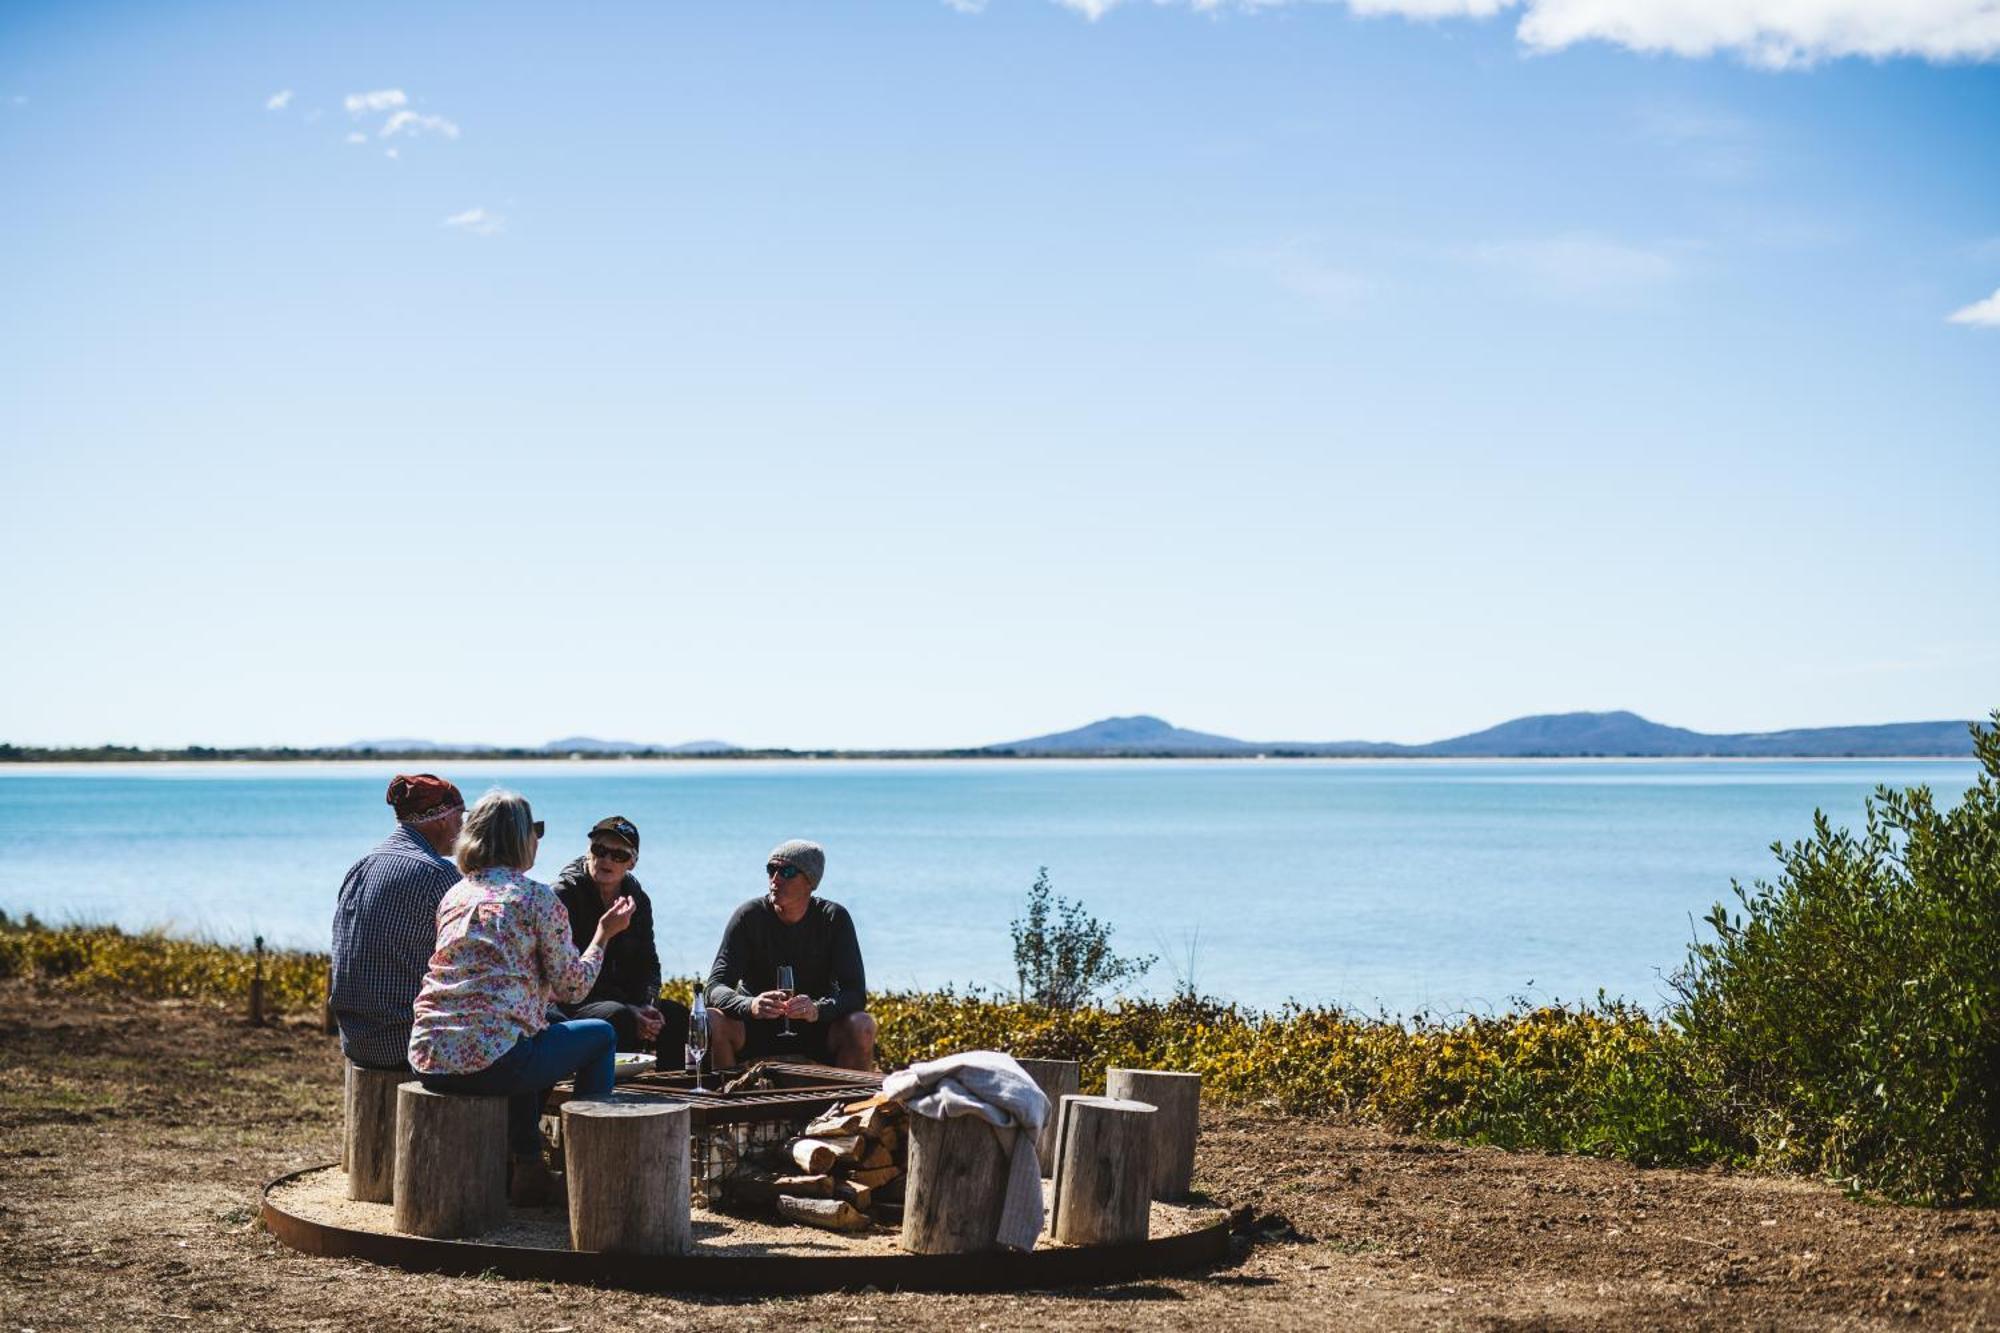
765 1040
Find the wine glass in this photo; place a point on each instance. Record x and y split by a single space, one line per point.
697 1042
786 979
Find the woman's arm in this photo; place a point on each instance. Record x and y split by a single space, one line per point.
567 973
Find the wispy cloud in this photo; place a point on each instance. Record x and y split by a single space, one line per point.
477 221
357 137
967 6
1577 265
1775 34
278 101
1295 267
414 124
1980 314
386 99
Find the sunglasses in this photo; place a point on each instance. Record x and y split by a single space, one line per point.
604 851
783 873
541 828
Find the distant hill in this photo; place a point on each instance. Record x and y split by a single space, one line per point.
592 745
1549 735
403 745
1142 734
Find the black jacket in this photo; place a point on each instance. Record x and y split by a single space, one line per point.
631 972
824 954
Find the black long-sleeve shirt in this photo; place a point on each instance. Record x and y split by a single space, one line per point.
821 948
631 971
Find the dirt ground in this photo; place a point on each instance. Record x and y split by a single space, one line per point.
134 1138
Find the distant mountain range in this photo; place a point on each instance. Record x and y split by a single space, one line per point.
1547 735
565 745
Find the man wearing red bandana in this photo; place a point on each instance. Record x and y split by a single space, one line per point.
385 922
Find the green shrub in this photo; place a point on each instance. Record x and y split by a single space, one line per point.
1847 1018
1062 954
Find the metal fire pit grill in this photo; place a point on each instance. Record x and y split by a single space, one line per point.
726 1127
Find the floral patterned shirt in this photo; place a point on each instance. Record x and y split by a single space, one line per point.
503 953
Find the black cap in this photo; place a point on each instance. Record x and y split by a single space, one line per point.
618 827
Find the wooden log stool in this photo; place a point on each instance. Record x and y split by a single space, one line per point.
451 1162
1058 1079
627 1171
1178 1097
1104 1171
957 1184
368 1139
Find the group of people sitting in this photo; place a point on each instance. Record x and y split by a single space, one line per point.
451 962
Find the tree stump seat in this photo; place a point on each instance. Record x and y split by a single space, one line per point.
957 1184
451 1162
1104 1171
627 1174
1057 1079
368 1132
1178 1099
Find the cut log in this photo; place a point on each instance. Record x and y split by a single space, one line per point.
859 1195
835 1126
628 1175
875 1177
807 1187
451 1162
368 1136
958 1184
877 1156
817 1156
1178 1097
1059 1079
831 1214
1104 1167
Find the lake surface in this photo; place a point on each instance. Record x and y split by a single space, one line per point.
1395 883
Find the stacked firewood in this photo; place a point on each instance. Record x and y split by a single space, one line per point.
844 1171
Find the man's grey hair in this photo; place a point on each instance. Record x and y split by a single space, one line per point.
499 831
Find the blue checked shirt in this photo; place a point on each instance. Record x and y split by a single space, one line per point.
384 931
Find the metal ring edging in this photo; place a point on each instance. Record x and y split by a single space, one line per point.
993 1270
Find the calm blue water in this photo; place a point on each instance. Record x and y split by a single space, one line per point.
1393 883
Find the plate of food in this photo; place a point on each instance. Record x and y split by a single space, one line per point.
629 1063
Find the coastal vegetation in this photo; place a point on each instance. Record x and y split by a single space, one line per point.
1841 1021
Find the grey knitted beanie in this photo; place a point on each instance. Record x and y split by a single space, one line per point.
809 857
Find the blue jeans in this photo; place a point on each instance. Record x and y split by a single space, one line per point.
586 1047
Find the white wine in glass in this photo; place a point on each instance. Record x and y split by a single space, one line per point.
697 1042
786 979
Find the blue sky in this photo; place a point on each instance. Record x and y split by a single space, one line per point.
911 374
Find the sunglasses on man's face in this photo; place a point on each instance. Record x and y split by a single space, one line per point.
541 828
604 851
783 873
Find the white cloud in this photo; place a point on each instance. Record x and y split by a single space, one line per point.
1980 314
967 6
391 154
278 101
477 221
1577 265
357 137
413 124
1775 33
384 100
1772 33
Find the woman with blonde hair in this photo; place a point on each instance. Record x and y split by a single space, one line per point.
504 954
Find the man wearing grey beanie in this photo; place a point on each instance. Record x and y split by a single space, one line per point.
825 1008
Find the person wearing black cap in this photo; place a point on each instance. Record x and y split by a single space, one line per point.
826 1007
626 993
